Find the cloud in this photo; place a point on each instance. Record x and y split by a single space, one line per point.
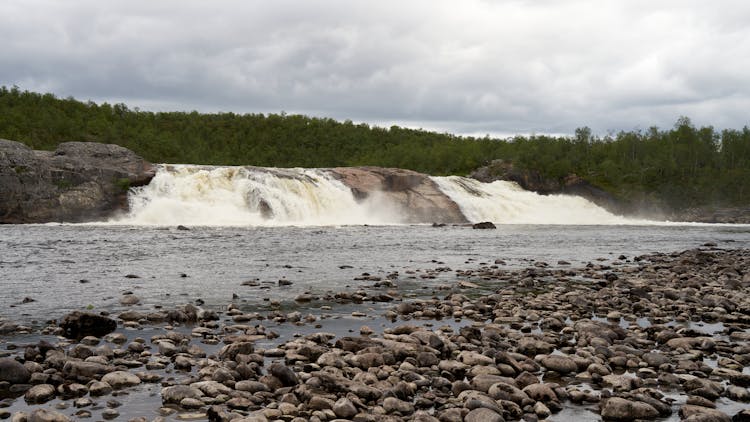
470 67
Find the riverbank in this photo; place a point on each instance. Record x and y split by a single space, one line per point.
658 336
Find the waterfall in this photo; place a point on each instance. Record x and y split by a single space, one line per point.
254 196
507 203
248 196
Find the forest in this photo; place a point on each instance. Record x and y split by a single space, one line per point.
679 167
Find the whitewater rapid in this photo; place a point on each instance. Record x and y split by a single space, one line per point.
250 196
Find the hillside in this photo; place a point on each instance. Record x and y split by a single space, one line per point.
677 168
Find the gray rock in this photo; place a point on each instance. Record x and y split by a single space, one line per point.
392 404
40 393
619 409
482 414
560 364
121 379
79 369
176 393
99 388
704 414
13 371
250 386
44 415
80 181
540 392
344 408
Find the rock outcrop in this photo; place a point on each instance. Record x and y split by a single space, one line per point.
416 197
79 181
534 181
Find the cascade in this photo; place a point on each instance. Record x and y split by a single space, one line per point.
239 196
507 203
255 196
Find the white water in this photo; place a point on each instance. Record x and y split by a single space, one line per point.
237 196
240 196
506 203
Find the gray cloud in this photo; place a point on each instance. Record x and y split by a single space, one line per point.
469 67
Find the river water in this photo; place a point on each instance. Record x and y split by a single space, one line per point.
67 267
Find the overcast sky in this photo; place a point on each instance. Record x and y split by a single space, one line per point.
469 67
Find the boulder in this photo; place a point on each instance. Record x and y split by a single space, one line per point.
413 196
79 181
619 409
13 371
77 325
121 379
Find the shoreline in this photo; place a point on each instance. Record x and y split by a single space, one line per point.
660 336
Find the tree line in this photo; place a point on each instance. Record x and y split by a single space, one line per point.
679 167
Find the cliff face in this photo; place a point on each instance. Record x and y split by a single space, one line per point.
418 197
80 181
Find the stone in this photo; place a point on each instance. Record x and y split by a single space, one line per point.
344 408
176 393
40 393
45 415
540 392
99 388
79 369
392 404
619 409
483 414
121 379
701 413
77 325
561 364
287 377
13 372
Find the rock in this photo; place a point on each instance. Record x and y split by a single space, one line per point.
13 371
619 409
121 379
128 300
540 392
561 364
176 393
44 415
738 393
79 181
700 413
99 388
483 414
230 351
742 416
287 377
483 225
392 405
40 393
211 388
344 408
77 325
85 370
413 196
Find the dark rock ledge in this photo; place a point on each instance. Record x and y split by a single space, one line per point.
79 181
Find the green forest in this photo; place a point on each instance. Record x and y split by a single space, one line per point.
679 167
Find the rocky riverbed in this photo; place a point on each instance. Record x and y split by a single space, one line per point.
652 337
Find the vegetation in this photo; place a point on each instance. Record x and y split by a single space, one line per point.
681 167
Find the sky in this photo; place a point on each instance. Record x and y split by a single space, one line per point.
470 67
